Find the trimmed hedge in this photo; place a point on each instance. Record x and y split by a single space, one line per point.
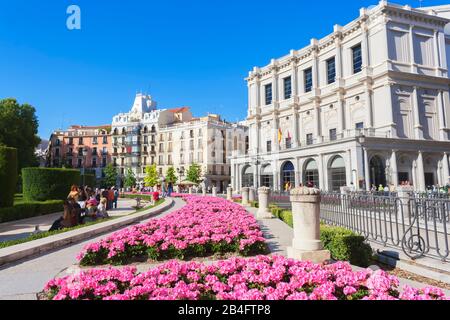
8 176
30 209
343 244
42 184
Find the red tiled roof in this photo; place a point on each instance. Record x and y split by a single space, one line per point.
178 110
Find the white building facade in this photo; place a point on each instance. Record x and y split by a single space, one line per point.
174 138
366 105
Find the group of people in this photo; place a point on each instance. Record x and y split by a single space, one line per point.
164 190
86 205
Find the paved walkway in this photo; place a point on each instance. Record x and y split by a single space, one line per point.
22 280
21 229
279 236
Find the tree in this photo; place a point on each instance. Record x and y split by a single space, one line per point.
110 178
18 129
194 173
171 176
130 179
151 178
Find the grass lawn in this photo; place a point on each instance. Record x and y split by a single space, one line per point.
46 234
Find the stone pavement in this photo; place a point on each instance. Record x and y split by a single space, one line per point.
23 279
279 236
21 229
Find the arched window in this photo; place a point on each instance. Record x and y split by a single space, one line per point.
116 132
145 129
124 132
337 175
287 176
247 177
311 175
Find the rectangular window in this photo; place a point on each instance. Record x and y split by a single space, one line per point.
268 93
269 146
309 139
333 134
80 141
94 162
359 125
288 143
357 58
287 88
94 140
94 151
308 79
331 70
105 139
70 141
103 162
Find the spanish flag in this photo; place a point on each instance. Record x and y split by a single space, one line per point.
280 135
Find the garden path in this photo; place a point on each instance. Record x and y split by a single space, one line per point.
22 280
21 229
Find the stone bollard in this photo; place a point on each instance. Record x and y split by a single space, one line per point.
245 192
214 191
204 192
190 190
251 195
306 245
263 203
404 207
230 194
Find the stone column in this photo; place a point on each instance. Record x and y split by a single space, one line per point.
306 245
420 173
404 207
263 203
230 194
251 195
245 192
367 170
214 191
445 169
394 167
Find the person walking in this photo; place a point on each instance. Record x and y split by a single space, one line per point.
116 197
110 198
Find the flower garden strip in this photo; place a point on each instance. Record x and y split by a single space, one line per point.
258 278
204 227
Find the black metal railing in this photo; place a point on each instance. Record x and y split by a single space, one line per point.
417 225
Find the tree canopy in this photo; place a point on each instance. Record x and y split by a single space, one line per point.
171 176
110 178
194 173
18 129
151 178
130 179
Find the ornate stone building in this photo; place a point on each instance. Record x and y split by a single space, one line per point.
368 104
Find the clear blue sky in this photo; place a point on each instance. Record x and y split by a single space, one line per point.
185 53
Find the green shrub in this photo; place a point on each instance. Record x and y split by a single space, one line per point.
41 184
286 216
30 209
346 245
8 176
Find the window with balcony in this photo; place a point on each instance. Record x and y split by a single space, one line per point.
333 134
70 141
268 94
169 160
287 87
94 140
309 139
94 151
94 162
80 152
191 133
161 147
104 162
331 70
145 161
161 160
80 141
357 58
308 80
105 151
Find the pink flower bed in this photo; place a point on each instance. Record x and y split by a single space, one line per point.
204 227
260 278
